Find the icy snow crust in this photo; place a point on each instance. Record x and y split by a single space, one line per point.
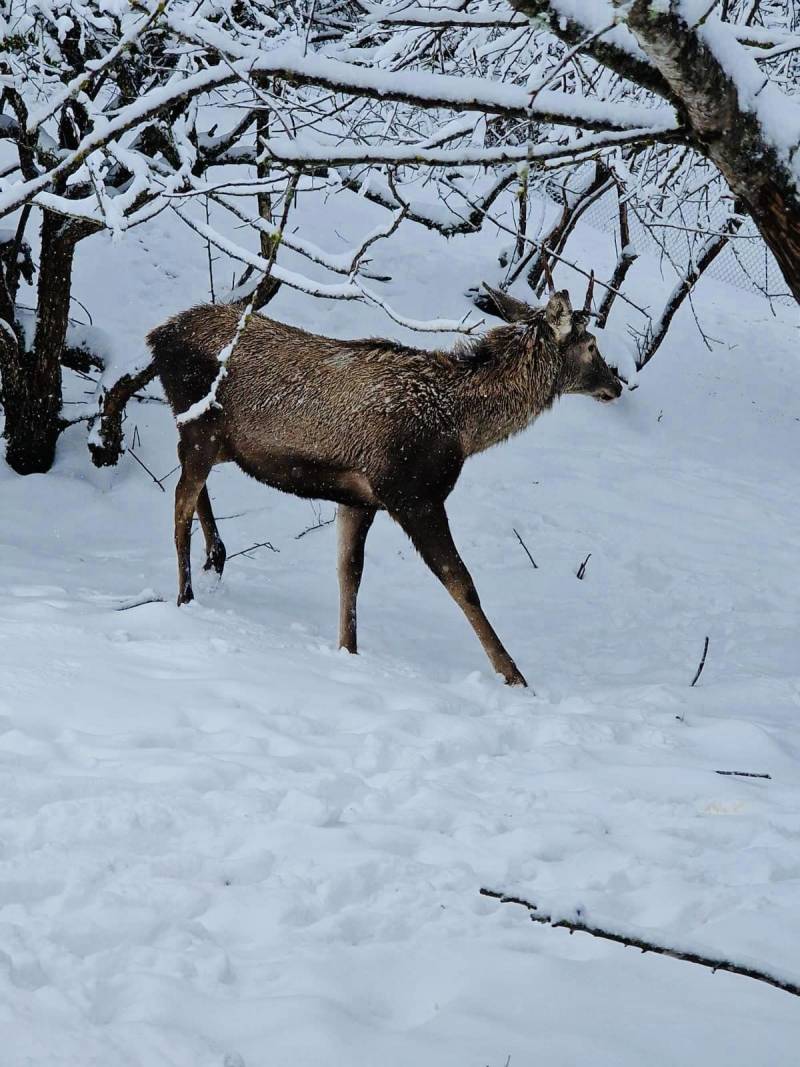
225 844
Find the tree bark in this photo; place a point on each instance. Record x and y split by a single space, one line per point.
32 380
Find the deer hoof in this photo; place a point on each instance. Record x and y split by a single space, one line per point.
185 595
515 678
216 558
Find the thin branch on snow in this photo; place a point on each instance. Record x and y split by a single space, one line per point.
526 551
144 467
577 925
140 601
745 774
702 664
246 551
320 524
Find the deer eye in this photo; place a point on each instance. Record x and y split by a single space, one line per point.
592 348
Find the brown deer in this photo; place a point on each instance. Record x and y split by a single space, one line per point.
372 425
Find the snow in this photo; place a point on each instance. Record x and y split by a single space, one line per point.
223 843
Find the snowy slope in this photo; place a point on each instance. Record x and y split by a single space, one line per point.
224 843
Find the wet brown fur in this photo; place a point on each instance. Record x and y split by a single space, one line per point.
370 424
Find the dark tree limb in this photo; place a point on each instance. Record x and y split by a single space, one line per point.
547 252
106 444
627 257
652 339
577 925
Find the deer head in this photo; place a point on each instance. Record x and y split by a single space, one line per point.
584 370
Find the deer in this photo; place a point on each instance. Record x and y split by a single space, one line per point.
371 425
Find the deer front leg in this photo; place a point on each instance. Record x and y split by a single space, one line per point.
352 527
429 531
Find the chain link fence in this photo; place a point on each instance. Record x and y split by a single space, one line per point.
745 263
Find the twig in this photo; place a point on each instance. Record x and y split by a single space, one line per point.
146 468
210 258
582 569
702 662
745 774
137 602
316 526
164 477
578 926
252 548
525 547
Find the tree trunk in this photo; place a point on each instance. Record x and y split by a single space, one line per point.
725 129
32 388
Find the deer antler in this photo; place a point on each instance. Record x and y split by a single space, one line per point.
587 303
547 275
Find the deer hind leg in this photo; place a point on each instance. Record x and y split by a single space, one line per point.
352 527
429 531
215 549
196 452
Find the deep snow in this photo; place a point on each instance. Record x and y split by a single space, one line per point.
224 843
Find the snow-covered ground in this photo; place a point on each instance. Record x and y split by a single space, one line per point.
225 844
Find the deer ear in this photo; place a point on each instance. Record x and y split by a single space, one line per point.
558 315
508 307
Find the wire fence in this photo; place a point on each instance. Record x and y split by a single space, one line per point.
745 263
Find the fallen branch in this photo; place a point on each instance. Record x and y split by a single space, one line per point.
525 548
316 526
578 926
702 662
745 774
252 548
137 602
146 468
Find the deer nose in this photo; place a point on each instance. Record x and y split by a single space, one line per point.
609 392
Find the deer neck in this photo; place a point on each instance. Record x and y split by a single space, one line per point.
503 382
